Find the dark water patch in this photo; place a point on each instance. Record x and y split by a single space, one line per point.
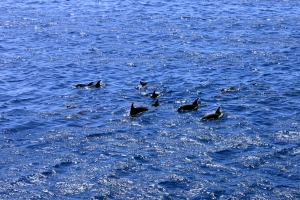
39 145
48 173
63 164
173 181
96 136
141 159
222 155
251 161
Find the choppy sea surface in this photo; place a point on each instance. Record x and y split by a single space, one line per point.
62 142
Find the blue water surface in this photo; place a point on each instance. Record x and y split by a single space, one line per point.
62 142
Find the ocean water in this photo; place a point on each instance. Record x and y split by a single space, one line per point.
62 142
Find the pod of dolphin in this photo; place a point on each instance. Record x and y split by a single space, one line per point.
137 110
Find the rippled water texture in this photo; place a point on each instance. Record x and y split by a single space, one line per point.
62 142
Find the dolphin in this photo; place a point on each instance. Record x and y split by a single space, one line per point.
154 95
156 103
215 115
192 106
143 83
137 110
96 86
83 85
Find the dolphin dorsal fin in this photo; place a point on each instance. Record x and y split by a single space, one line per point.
98 84
132 106
195 102
218 111
143 83
91 83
